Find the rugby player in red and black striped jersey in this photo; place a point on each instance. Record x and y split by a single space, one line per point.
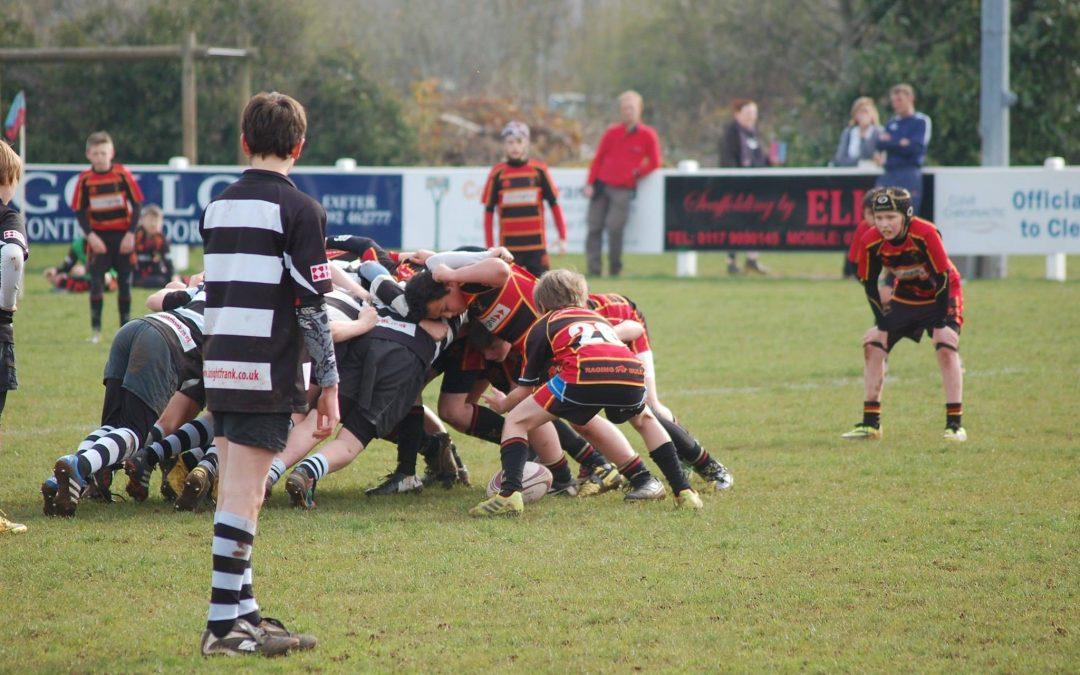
629 324
106 203
595 372
927 298
500 296
516 190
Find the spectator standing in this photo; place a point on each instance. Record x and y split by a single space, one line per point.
740 147
629 150
859 140
905 140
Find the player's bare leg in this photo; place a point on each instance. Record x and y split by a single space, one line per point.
875 364
947 345
662 451
652 393
301 441
335 455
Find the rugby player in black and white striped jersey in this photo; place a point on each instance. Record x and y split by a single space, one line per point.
150 360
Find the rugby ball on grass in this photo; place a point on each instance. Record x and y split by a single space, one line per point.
535 482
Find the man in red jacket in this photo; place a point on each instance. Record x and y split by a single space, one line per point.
628 151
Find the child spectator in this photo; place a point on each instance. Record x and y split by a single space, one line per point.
107 201
153 268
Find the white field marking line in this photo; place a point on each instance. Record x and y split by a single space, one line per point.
40 431
834 383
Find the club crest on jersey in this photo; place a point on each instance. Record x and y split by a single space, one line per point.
16 235
495 317
320 272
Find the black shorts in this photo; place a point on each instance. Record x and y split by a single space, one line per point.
142 359
124 408
912 321
537 262
9 381
455 378
269 431
571 402
380 381
100 263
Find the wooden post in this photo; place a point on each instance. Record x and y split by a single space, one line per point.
243 93
188 100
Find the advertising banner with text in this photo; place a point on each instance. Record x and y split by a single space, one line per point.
1008 211
368 203
769 210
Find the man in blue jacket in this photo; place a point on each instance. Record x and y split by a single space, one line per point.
905 140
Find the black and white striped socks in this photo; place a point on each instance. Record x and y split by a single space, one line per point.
198 433
106 450
315 466
231 595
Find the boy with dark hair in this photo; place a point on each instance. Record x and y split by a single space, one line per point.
926 298
516 190
13 253
595 372
266 274
106 202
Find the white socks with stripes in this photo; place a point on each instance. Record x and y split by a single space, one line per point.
315 466
276 471
108 450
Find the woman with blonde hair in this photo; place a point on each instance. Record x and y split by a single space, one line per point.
859 140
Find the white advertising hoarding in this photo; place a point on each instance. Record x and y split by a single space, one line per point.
448 200
1008 211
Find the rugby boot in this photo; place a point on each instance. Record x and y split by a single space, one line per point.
567 489
196 486
275 628
99 488
955 434
10 527
863 432
600 480
395 483
716 476
69 486
246 639
497 505
651 489
138 468
301 490
688 499
48 495
172 481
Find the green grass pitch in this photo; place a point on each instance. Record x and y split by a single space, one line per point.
908 554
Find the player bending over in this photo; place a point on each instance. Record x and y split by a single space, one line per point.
926 298
596 372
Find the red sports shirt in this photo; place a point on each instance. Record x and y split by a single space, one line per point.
516 191
584 349
922 270
618 308
625 156
507 311
107 198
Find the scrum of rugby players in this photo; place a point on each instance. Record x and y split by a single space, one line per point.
400 320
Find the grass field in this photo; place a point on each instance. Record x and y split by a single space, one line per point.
908 554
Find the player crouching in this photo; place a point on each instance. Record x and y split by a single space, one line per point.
595 371
926 298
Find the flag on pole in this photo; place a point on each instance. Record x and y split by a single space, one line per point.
16 117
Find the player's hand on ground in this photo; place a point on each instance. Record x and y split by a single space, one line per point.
95 243
127 244
496 400
327 416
